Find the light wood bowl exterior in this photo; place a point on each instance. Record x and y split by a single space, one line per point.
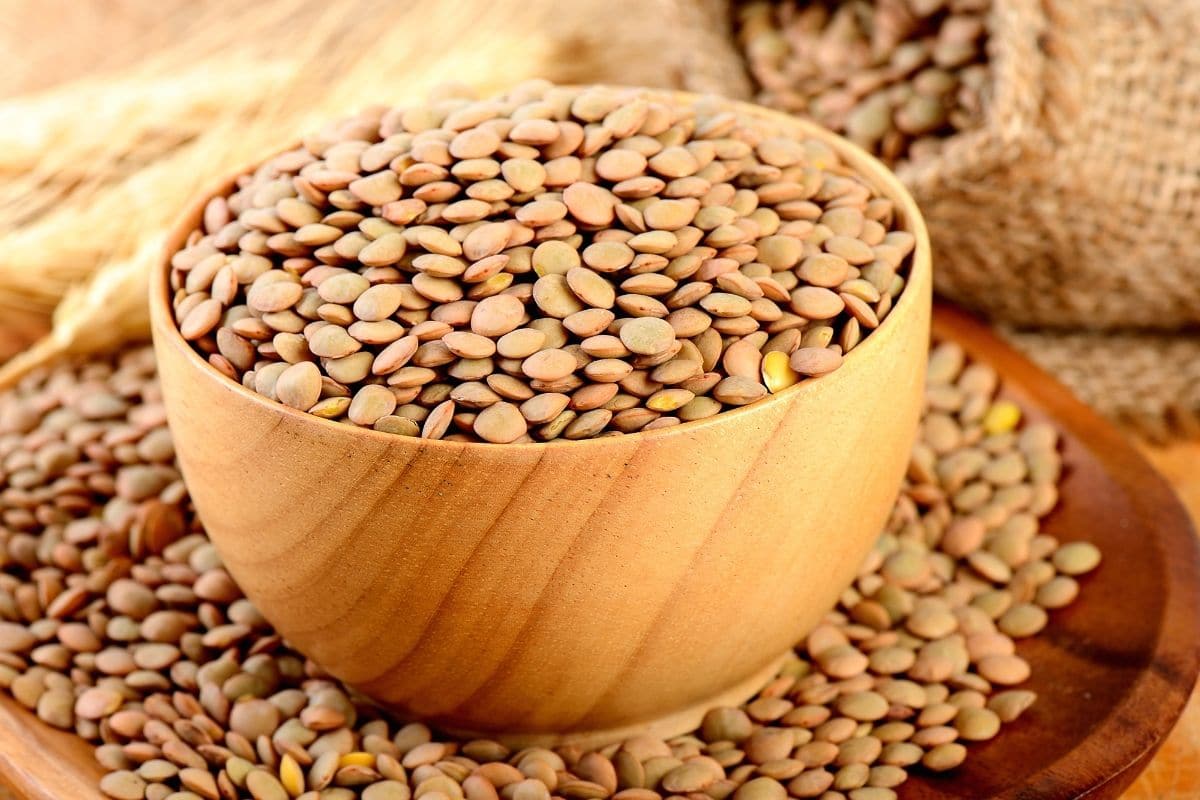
546 593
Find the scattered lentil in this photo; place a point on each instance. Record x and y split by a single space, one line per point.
187 692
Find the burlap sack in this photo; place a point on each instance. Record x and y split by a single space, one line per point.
1076 206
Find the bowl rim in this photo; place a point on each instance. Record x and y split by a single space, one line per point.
916 290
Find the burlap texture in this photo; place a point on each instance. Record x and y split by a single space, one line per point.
1148 382
1076 209
1077 205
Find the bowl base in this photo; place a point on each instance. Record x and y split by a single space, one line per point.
669 725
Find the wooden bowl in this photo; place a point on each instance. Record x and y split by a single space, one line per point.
557 592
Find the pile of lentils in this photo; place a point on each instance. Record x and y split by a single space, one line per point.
898 77
118 622
558 263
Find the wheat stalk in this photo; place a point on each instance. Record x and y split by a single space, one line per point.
92 172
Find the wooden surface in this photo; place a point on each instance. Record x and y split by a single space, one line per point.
1175 771
1114 670
544 593
44 765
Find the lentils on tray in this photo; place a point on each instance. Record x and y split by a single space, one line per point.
119 622
556 263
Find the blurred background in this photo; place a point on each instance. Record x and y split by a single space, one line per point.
1048 142
1063 194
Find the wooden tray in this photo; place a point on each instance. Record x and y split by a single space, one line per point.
1112 672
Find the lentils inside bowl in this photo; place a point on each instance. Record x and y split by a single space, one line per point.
558 263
